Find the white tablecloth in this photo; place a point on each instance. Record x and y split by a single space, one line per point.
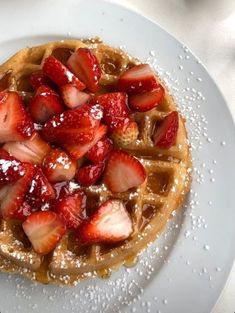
208 28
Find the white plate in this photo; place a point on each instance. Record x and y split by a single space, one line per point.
186 269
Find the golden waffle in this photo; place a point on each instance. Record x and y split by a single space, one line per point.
150 205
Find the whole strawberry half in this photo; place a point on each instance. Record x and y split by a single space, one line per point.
165 133
59 73
45 104
44 230
137 79
15 123
71 208
110 223
84 64
123 172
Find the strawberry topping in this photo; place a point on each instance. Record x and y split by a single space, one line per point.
139 78
84 64
45 104
123 172
165 134
44 230
73 97
58 166
71 209
146 101
15 123
99 152
59 73
90 174
111 223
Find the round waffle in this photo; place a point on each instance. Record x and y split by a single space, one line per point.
150 205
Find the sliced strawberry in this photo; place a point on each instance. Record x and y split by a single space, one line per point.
40 190
44 230
45 104
10 169
38 79
71 209
90 174
33 150
12 195
73 97
124 131
15 123
100 150
165 134
59 73
139 78
58 166
123 172
146 101
111 223
114 105
75 135
24 211
77 151
73 126
84 64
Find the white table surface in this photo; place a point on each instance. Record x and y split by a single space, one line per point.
207 27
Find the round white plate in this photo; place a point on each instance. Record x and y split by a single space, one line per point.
186 269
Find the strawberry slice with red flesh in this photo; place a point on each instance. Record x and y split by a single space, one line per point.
24 211
137 79
123 172
45 104
77 151
73 126
58 166
38 79
114 105
60 74
15 123
84 64
44 230
165 134
40 190
11 169
99 152
32 151
111 223
71 209
90 174
73 97
146 101
12 195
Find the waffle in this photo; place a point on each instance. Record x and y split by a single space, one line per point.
150 205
